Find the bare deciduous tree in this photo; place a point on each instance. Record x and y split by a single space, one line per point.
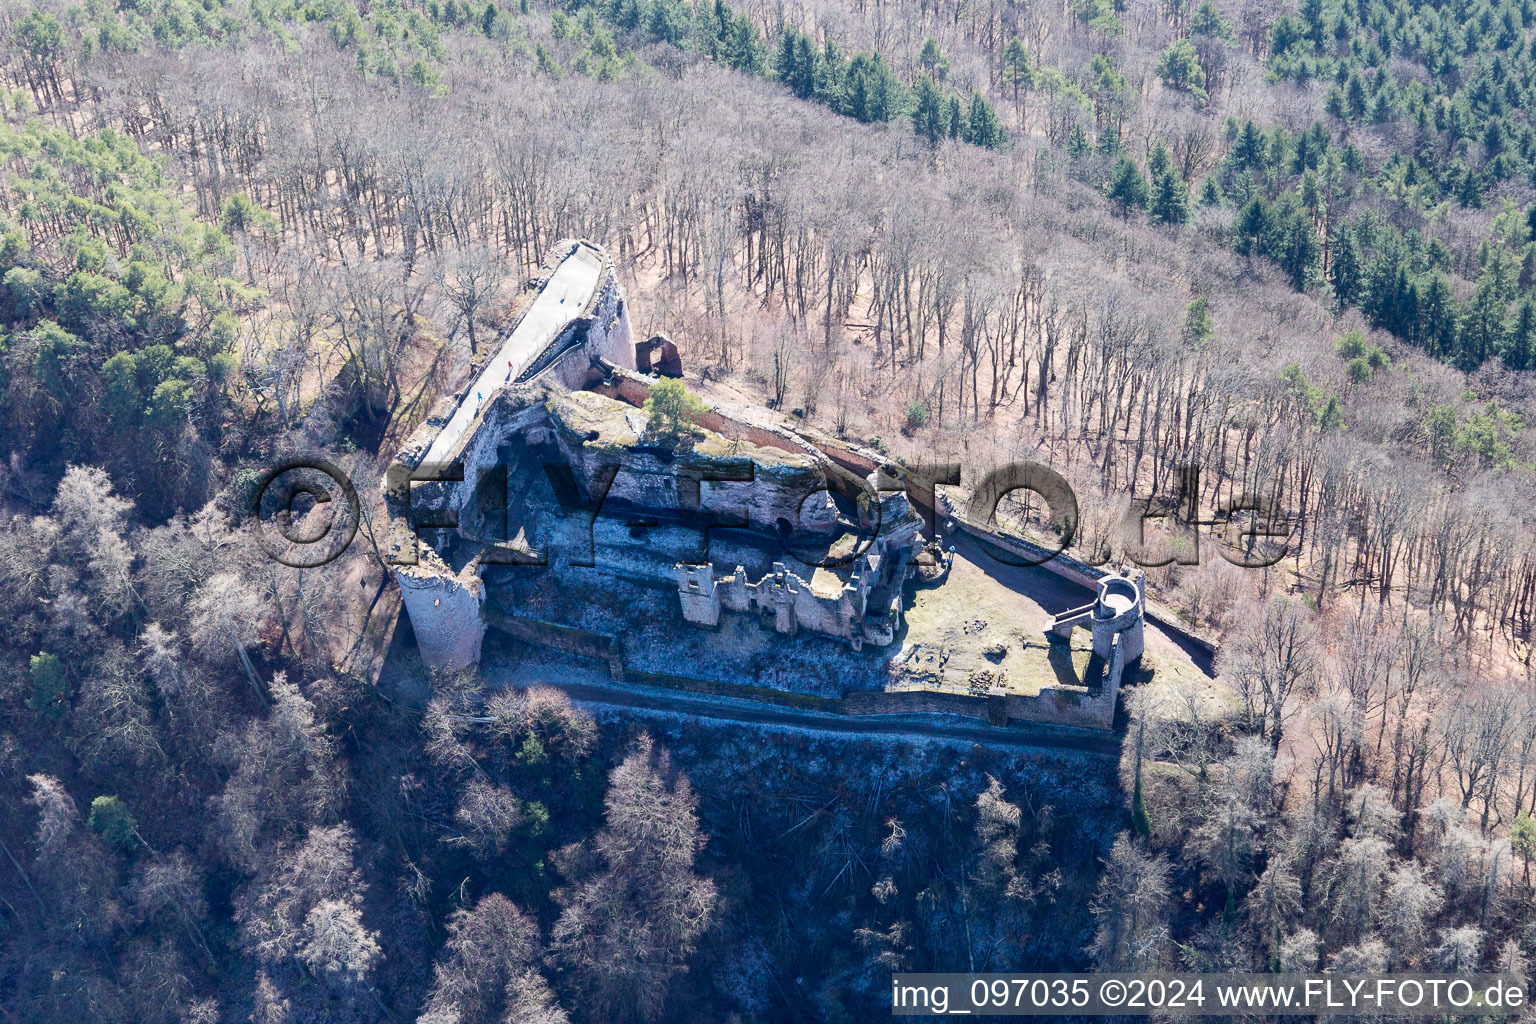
469 278
634 909
488 971
1132 909
1272 659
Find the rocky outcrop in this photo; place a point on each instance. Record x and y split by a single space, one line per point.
768 489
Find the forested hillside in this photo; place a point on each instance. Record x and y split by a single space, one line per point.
1293 247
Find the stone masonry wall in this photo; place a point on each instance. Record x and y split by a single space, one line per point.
447 613
609 335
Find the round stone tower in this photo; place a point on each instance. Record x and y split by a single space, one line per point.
1119 609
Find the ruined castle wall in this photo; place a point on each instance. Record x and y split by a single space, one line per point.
699 595
734 593
609 335
880 625
583 643
447 613
1066 707
842 469
1053 707
573 369
925 702
830 615
793 604
847 456
736 691
633 390
604 335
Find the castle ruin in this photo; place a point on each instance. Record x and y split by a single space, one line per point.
546 459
